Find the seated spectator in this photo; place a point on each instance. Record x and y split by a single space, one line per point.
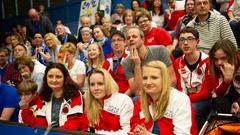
30 69
40 51
222 83
63 36
135 4
182 23
173 14
76 68
161 109
27 90
98 17
59 21
152 35
12 76
117 17
84 22
128 20
107 24
95 56
211 26
53 45
191 69
108 111
158 15
4 54
61 102
9 99
114 62
234 19
82 47
101 35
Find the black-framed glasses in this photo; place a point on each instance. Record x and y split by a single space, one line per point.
188 39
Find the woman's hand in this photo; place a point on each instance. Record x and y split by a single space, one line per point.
235 108
140 130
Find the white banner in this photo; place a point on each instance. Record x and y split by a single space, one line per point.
89 8
105 5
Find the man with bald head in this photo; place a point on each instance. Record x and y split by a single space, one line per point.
85 22
37 23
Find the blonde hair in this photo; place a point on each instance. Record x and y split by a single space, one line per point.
53 38
101 57
69 47
160 107
92 104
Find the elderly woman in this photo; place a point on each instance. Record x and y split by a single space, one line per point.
61 102
161 109
108 111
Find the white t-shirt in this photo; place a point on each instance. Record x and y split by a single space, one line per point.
78 68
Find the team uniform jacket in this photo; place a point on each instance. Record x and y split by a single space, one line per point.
70 116
119 77
187 81
176 120
115 115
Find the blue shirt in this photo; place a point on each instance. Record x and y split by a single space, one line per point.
9 99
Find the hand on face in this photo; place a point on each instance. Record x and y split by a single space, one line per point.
227 71
25 75
235 108
134 56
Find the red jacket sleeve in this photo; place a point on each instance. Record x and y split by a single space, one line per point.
135 120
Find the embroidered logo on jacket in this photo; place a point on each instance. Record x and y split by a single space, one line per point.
112 109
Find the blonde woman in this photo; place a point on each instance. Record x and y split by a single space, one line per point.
95 56
161 109
108 111
54 45
76 68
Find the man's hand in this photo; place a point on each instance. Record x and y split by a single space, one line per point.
235 108
134 56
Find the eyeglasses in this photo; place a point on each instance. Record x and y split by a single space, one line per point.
143 21
117 40
188 39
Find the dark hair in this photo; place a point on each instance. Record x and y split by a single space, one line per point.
189 30
5 50
101 14
132 4
24 60
70 88
231 51
160 7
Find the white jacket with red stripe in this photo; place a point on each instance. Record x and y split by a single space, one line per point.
187 81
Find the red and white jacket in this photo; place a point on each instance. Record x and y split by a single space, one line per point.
70 116
119 77
178 118
115 115
187 81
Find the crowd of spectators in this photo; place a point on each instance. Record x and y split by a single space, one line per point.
145 70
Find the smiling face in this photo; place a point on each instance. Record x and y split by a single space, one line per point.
97 86
144 24
97 33
86 36
55 79
152 81
189 7
93 51
188 43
